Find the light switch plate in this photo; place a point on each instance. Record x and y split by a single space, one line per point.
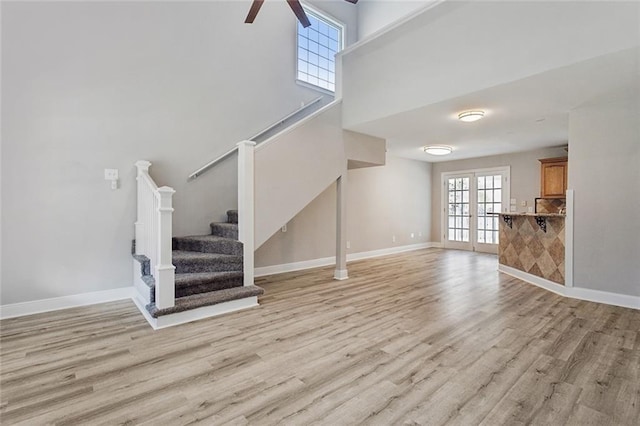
513 201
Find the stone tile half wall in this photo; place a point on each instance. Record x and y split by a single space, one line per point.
527 247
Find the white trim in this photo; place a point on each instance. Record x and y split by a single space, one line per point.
387 251
480 171
294 266
64 302
341 274
312 86
298 123
330 261
580 293
196 314
246 207
388 28
568 238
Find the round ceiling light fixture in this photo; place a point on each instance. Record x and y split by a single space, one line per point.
437 149
470 116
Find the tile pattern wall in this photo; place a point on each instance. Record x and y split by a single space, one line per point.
550 205
527 247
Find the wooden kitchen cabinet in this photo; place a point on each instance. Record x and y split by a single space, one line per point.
553 177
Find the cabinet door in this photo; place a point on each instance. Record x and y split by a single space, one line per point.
554 179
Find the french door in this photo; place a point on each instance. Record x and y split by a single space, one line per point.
468 199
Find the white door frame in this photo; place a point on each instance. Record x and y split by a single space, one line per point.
506 194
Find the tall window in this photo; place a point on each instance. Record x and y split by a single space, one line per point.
317 47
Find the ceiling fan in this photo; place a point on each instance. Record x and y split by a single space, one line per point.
295 6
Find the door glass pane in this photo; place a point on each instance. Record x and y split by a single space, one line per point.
497 181
458 209
489 200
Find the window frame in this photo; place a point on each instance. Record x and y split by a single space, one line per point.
318 14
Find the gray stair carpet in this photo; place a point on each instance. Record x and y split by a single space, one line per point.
208 244
232 216
225 229
206 299
208 269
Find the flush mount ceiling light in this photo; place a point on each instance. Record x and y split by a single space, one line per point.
469 116
437 149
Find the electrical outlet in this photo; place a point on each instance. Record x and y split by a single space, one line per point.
393 239
530 209
413 235
348 244
284 228
111 174
523 203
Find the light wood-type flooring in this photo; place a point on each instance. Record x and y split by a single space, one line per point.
426 337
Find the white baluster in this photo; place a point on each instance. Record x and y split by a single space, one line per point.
143 167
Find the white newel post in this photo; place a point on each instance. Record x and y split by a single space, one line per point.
143 168
165 271
246 223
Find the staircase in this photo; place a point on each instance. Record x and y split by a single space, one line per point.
208 270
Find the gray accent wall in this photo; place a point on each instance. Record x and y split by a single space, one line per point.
94 85
525 178
604 172
383 202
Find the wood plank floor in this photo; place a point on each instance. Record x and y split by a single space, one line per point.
427 337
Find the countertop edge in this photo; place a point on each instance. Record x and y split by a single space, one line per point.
528 214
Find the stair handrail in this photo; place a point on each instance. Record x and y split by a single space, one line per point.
215 161
153 233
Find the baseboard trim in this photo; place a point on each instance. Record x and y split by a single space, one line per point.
294 266
580 293
65 302
195 314
387 251
330 261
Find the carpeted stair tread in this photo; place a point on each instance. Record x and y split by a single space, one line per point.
208 244
224 229
205 282
206 299
192 261
200 277
232 216
145 263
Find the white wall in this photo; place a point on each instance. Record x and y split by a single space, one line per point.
294 167
604 172
525 178
457 48
374 15
89 85
382 202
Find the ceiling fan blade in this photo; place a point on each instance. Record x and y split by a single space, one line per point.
299 12
353 1
255 8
